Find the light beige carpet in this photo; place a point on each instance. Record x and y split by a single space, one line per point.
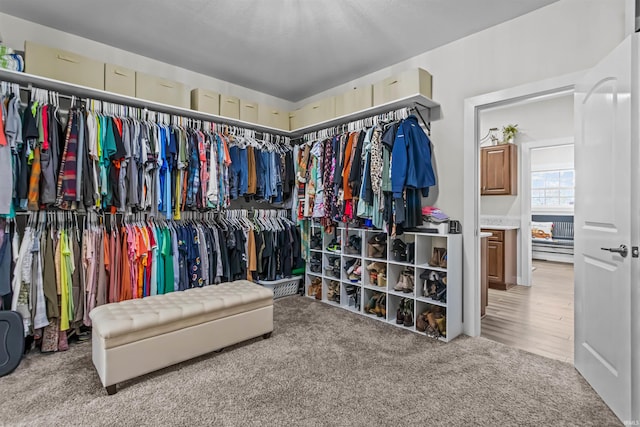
322 366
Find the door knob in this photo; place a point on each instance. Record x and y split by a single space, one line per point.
622 250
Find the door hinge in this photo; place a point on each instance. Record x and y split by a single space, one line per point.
634 252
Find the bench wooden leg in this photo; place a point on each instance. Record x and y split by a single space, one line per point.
267 335
111 389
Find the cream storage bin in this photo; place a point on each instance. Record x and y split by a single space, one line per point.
248 111
230 106
405 84
206 101
161 90
319 111
295 119
59 64
273 117
119 80
356 99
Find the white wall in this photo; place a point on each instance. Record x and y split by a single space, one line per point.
16 31
564 37
552 158
544 119
541 120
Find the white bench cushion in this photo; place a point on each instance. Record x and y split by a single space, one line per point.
134 320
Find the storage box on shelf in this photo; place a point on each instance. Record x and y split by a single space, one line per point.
161 90
207 101
229 106
273 117
419 286
62 65
355 99
248 111
119 80
404 84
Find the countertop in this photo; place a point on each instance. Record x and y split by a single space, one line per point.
484 234
500 227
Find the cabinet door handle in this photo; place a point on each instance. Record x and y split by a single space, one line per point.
120 73
68 59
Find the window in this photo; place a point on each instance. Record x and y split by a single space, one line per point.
553 189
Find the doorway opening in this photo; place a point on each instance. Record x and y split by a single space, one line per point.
527 237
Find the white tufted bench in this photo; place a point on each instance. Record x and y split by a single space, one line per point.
135 337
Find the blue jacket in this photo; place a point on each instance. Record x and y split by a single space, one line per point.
411 159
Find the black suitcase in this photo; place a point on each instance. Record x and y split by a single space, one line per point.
11 341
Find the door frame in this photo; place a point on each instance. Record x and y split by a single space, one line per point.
526 250
471 180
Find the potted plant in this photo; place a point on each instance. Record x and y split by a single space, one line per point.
509 133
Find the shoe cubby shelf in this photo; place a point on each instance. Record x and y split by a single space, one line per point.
405 277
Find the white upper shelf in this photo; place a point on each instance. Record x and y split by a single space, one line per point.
429 109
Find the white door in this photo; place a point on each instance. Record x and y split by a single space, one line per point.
603 218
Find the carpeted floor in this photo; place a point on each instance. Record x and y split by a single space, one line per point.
322 366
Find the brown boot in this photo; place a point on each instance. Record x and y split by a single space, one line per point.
421 323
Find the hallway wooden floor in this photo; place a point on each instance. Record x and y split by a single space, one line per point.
539 318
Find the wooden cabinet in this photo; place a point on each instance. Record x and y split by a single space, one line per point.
501 258
499 170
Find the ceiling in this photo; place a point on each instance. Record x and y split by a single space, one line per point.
287 48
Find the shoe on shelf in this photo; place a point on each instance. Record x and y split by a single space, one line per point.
400 313
438 258
442 324
378 238
357 268
376 250
411 253
399 250
377 266
354 245
315 242
315 288
405 282
334 246
382 279
358 271
408 313
371 305
421 322
333 291
350 265
381 306
435 323
373 278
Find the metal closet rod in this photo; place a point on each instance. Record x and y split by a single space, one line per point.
364 122
129 101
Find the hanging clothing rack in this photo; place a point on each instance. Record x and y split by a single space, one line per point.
28 82
367 121
355 125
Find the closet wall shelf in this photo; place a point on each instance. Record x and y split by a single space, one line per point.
431 113
87 92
